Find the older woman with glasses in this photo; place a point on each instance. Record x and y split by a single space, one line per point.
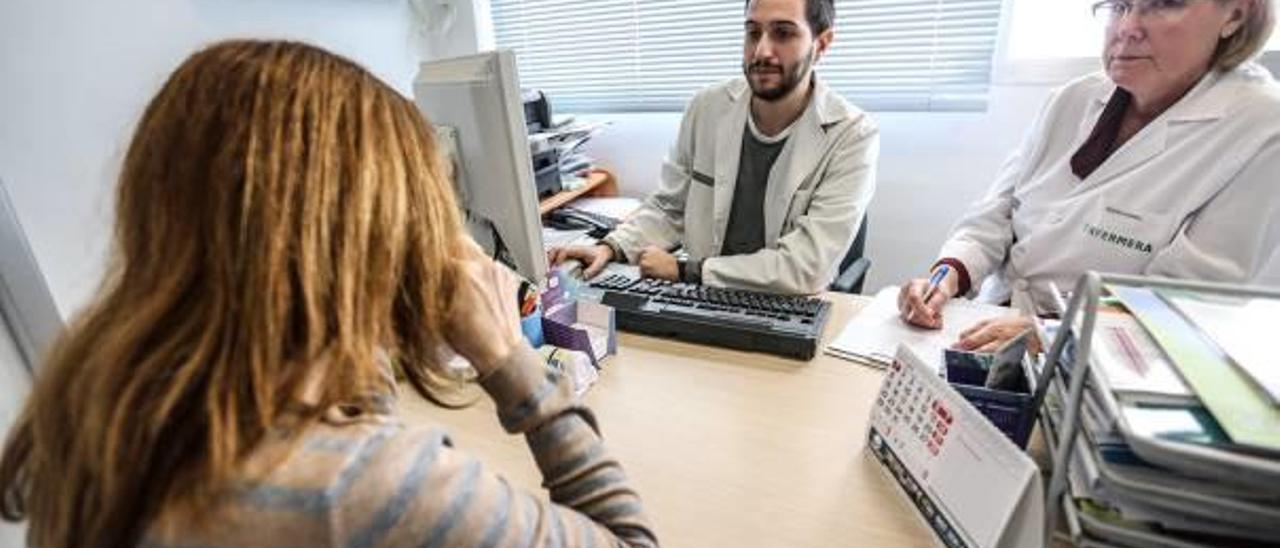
1166 163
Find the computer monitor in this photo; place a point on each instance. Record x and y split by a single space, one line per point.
475 103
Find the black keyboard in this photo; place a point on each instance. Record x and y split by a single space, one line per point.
744 320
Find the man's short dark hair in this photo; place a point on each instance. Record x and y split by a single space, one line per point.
821 14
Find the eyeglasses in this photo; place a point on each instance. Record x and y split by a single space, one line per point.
1111 11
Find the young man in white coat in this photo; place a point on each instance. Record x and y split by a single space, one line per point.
770 176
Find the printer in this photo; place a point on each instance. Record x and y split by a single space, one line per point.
546 157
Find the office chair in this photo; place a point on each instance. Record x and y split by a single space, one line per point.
853 267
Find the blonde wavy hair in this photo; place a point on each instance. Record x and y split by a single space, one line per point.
278 207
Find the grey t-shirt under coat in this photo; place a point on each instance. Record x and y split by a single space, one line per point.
745 232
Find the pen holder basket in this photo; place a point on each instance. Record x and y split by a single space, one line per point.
1010 410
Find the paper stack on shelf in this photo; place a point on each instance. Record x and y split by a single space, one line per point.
1132 364
1241 407
1176 448
1236 325
567 136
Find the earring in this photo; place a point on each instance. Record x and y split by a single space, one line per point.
1229 30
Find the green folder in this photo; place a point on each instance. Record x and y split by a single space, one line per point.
1242 408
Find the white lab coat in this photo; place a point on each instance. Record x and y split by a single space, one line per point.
818 191
1194 195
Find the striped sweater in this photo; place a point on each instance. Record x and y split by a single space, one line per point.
361 477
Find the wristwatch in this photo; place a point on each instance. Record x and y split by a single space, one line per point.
689 271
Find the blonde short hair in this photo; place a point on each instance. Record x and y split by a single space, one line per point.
1249 40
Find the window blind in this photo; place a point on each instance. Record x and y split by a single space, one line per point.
653 55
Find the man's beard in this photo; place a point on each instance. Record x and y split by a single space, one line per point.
789 81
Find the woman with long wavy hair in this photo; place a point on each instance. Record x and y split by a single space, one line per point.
285 233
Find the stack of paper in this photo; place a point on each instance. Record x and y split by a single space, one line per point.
873 336
1180 441
1236 326
1132 365
567 136
1240 405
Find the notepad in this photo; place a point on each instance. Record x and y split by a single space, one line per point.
871 338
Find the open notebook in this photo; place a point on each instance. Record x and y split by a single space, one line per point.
872 336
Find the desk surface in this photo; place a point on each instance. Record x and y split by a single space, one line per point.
728 448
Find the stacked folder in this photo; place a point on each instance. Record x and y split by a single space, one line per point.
1180 441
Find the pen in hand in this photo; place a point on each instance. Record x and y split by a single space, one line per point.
934 282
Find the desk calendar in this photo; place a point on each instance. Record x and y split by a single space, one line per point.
968 482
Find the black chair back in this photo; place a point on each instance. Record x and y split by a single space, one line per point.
854 267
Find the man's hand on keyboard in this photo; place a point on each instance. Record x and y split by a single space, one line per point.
594 258
656 262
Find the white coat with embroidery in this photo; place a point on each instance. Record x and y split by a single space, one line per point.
1194 195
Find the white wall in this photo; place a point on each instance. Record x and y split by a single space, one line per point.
932 166
75 75
15 383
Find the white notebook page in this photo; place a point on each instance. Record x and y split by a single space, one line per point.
875 332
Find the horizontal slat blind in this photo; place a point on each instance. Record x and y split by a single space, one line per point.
652 55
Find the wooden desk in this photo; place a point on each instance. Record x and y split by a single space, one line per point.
728 448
